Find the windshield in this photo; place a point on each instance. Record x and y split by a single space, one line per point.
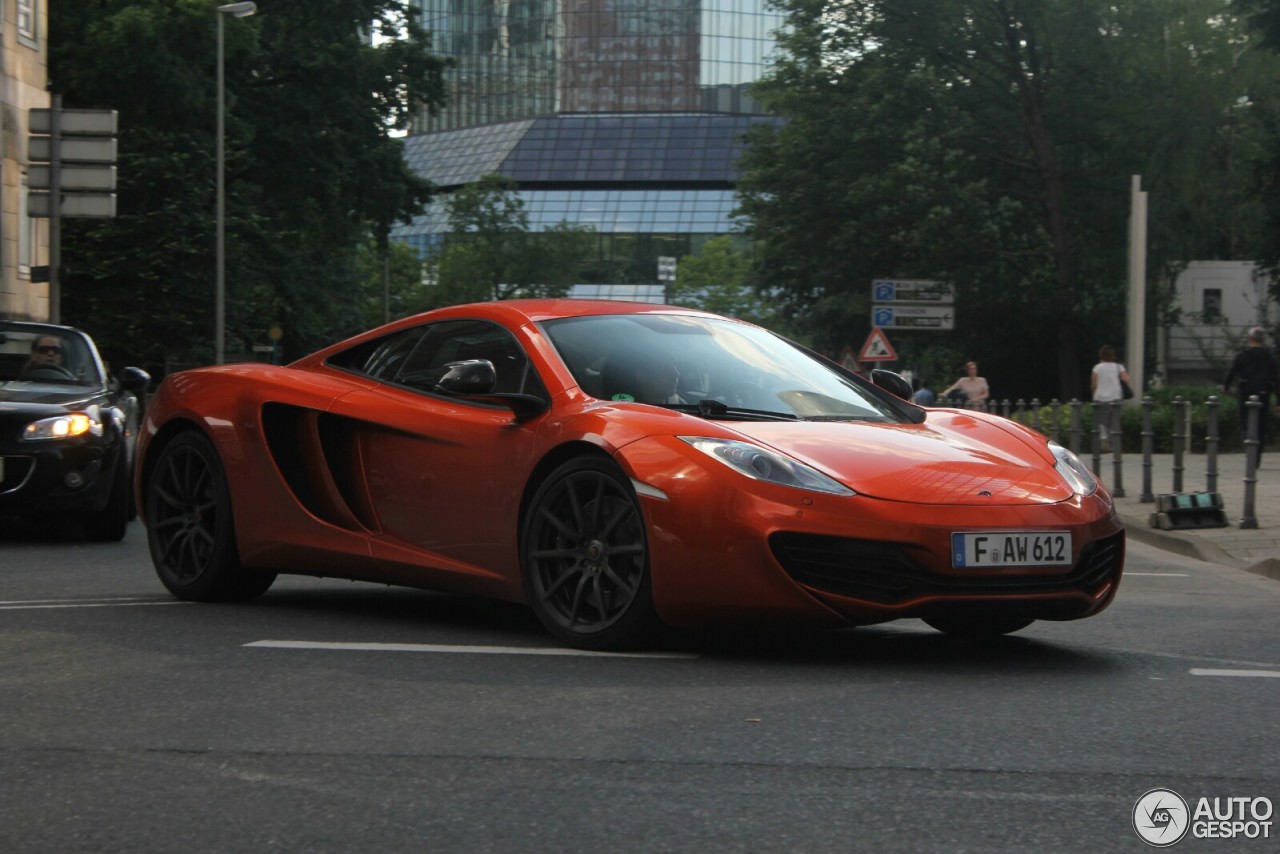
687 361
52 355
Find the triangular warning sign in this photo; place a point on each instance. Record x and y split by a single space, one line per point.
877 348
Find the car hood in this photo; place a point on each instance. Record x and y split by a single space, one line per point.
28 396
951 459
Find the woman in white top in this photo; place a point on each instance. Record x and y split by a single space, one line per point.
974 387
1105 383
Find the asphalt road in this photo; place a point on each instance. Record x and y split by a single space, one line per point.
333 716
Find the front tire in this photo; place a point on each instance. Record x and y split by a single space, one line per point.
585 558
190 528
109 524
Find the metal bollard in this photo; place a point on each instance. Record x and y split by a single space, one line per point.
1211 439
1076 428
1179 441
1251 448
1148 445
1117 445
1095 439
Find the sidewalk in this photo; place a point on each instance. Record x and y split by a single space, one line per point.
1255 550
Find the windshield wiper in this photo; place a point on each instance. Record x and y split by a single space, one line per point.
716 409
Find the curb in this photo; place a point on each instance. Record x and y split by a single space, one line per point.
1171 541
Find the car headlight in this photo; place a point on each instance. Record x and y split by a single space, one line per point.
760 464
1074 472
62 427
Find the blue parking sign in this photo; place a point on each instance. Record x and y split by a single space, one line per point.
883 292
882 316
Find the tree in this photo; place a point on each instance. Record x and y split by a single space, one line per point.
312 170
719 280
393 284
1263 17
491 253
989 143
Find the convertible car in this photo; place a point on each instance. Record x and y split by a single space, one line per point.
618 467
67 429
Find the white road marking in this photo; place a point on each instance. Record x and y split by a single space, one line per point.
1159 574
1254 674
459 649
44 604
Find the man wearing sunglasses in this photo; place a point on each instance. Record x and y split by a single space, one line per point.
46 352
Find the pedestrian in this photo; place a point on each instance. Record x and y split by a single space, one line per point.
1106 384
973 387
924 396
1254 368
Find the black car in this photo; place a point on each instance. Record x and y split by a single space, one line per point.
67 429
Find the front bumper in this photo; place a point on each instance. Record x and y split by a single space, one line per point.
71 475
726 548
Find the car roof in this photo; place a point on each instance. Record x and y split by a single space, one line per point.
536 310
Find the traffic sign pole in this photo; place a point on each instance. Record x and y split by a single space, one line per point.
55 214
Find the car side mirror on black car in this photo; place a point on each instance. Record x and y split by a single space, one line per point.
135 380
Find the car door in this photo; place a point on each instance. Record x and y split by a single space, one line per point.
444 474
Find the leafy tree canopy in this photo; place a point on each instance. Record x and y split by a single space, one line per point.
312 170
991 143
718 279
491 253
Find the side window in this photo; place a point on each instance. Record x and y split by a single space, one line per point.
418 357
388 359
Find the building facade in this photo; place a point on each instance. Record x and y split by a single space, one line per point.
622 115
23 82
1218 302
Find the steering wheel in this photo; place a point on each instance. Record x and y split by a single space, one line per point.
48 372
740 394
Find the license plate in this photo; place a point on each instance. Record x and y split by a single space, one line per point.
1010 548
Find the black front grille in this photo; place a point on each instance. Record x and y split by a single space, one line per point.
885 573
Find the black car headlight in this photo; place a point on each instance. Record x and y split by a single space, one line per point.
1073 471
762 464
62 427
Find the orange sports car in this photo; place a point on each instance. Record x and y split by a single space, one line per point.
618 467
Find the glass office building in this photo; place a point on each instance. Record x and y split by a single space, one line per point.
623 115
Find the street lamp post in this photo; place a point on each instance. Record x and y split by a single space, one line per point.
239 10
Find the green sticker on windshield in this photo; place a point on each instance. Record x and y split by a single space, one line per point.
624 397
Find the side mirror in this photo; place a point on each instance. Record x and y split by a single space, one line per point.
472 376
135 380
892 383
477 378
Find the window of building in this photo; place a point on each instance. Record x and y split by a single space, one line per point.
28 14
1211 305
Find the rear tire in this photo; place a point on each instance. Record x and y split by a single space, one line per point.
975 628
190 528
585 559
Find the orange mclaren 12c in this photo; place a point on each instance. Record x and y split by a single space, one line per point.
618 467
